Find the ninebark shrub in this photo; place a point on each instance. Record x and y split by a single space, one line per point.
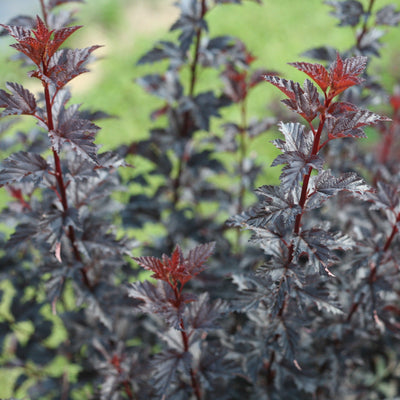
308 309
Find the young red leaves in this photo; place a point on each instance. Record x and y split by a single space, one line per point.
42 46
39 44
341 75
341 119
177 270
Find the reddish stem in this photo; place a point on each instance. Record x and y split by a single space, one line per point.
185 341
306 179
60 180
392 235
128 390
365 28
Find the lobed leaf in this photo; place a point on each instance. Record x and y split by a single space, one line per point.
67 64
345 73
297 154
316 72
198 256
287 87
165 366
388 15
315 242
202 314
20 101
78 132
322 298
348 12
326 185
387 197
158 299
21 165
189 22
348 123
305 102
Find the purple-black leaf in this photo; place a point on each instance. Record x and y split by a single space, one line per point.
165 366
387 197
20 20
275 202
326 185
388 16
78 132
67 64
158 299
322 298
20 101
258 127
297 139
201 314
348 12
348 123
306 100
288 339
314 242
202 108
198 256
21 165
164 50
166 86
189 22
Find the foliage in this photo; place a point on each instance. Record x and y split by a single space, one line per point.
308 309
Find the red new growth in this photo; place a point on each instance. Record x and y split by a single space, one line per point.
177 270
341 75
43 44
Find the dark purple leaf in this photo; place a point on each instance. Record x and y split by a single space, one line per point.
326 185
202 314
274 203
297 154
305 102
288 339
166 86
315 243
198 256
202 108
158 299
322 298
164 50
189 22
24 233
325 53
67 64
21 20
349 123
258 127
20 165
388 15
79 133
347 12
109 159
387 197
165 367
20 101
